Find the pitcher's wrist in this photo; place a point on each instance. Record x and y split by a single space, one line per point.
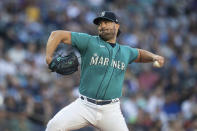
48 59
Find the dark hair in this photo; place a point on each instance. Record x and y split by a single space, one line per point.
118 32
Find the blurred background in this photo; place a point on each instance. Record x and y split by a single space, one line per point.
153 99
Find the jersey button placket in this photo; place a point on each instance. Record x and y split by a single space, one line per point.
114 52
108 74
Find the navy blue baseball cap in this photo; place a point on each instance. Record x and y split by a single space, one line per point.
106 15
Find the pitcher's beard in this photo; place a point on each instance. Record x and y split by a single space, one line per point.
106 36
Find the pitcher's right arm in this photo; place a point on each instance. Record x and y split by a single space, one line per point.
55 38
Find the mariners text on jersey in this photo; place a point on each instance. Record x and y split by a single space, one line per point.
104 61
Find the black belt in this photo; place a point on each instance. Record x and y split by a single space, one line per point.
97 102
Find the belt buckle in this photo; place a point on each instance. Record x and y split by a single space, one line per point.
97 101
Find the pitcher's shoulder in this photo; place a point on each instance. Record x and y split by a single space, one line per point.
125 47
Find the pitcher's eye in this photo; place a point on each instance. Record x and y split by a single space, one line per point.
99 23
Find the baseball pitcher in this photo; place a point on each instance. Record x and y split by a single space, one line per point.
103 66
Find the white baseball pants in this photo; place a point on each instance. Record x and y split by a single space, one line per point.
81 113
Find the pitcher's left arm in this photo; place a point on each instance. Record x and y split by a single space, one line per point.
146 57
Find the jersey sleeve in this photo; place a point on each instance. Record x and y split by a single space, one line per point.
133 54
80 41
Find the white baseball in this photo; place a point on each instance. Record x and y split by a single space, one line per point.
156 64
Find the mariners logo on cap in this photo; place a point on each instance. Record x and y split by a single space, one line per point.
102 14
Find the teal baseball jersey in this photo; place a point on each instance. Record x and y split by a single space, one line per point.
102 66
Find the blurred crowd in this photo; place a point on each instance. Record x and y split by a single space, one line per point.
153 99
